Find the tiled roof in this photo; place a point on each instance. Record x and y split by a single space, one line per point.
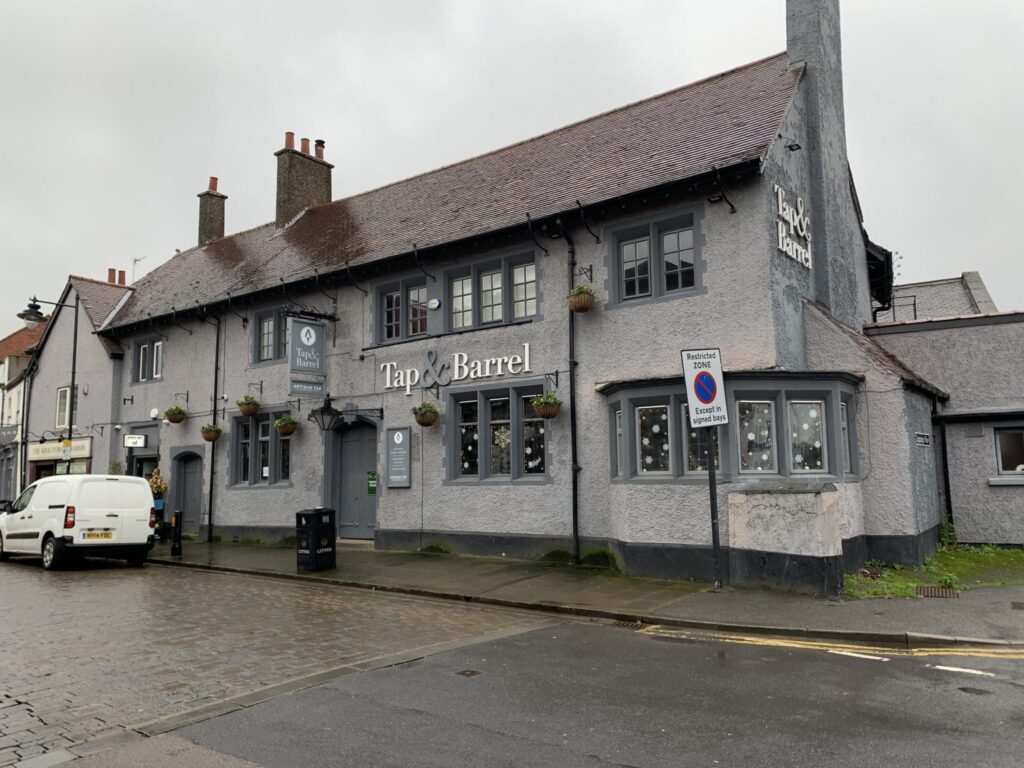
714 123
98 298
951 297
876 352
21 341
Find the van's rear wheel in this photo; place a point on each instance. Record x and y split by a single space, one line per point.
137 561
53 555
3 555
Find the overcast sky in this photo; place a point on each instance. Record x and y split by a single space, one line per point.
114 114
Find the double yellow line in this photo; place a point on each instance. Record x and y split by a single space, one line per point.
994 652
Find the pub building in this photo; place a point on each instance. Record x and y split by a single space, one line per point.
720 215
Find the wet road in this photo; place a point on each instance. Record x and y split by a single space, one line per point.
580 695
89 654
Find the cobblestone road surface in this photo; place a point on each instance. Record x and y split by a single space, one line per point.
85 654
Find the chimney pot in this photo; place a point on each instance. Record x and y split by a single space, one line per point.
120 277
320 143
305 146
289 140
213 183
111 275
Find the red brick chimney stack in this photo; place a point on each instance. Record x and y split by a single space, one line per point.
111 275
303 180
211 213
120 277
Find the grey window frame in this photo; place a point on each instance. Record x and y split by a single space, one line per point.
777 463
652 227
826 456
672 457
832 388
275 439
1000 469
482 396
280 336
503 264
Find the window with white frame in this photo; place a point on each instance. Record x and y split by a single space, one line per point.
1010 451
417 305
462 303
498 435
393 315
636 268
260 455
756 429
490 297
64 403
149 360
620 445
524 290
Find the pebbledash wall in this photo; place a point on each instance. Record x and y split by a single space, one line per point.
821 466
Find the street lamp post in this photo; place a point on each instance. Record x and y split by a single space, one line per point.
33 315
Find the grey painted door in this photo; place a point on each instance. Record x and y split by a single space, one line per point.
191 493
357 513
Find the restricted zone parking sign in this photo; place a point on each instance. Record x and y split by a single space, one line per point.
705 388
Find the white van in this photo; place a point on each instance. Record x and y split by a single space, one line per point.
72 516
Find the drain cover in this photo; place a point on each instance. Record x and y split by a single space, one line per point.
468 673
628 624
923 591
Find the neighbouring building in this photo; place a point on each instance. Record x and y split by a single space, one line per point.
721 214
15 356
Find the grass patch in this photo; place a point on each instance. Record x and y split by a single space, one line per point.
957 567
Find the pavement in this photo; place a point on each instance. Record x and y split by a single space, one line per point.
982 616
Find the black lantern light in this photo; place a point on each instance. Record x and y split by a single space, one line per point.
326 417
31 314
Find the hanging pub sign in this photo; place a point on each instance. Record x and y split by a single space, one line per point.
306 348
793 227
399 474
460 368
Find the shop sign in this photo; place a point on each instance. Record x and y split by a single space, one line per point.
306 348
135 441
922 439
371 483
460 368
52 450
793 228
705 387
309 388
399 474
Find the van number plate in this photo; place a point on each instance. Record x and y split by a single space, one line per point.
92 535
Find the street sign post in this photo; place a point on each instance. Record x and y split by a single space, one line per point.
706 404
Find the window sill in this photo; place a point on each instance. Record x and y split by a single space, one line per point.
258 486
459 332
641 301
1011 480
266 363
693 479
498 481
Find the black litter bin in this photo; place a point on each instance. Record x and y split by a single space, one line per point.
315 535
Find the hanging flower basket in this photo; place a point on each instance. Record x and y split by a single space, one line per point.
426 414
286 425
581 298
211 432
175 414
547 405
248 405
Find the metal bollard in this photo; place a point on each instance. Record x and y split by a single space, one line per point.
176 533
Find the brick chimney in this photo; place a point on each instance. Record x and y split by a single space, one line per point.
112 275
211 213
303 180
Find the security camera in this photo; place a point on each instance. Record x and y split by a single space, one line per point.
117 427
224 398
166 422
